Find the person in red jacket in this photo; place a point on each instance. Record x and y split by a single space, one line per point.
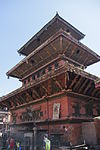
11 144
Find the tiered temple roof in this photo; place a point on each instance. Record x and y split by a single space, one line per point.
57 41
78 83
47 31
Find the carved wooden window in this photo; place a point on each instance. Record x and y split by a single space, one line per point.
89 109
41 113
76 108
32 61
14 116
78 51
33 77
49 68
38 74
24 81
28 79
29 92
68 31
56 65
43 71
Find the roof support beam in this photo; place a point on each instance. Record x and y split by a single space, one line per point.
74 81
90 90
83 85
54 48
40 57
66 80
98 93
24 100
66 47
88 86
15 102
46 91
58 84
76 87
72 51
61 44
7 104
18 100
3 103
35 92
93 93
85 59
82 95
29 96
48 51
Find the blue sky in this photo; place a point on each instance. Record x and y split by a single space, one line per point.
21 19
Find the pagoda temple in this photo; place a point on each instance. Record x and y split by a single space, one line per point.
57 97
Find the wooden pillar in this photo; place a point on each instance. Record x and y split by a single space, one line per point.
61 47
35 137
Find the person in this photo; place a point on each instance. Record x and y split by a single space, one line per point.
47 143
11 144
8 147
17 145
8 144
4 140
20 147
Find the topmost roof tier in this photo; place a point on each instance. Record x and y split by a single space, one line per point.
47 31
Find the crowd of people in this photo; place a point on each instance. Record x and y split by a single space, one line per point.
13 145
10 143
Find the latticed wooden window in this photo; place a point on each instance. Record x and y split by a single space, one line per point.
56 65
28 79
76 108
49 68
38 74
33 77
89 109
24 81
43 71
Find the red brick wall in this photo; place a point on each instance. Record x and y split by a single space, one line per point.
70 131
66 107
47 108
91 132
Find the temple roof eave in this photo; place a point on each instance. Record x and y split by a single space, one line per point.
44 29
24 62
63 69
